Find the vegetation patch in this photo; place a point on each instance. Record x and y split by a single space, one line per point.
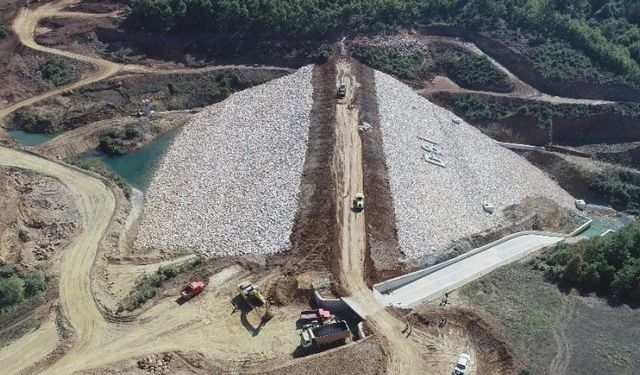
3 32
148 285
30 122
56 71
393 60
527 307
470 70
475 107
96 165
609 264
16 288
119 141
555 59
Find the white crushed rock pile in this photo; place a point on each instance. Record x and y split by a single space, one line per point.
435 206
229 183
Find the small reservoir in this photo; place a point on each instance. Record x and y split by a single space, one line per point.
30 139
137 167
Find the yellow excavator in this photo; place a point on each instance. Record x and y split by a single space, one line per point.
256 302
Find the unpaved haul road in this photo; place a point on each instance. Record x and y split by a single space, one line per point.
25 25
96 204
404 356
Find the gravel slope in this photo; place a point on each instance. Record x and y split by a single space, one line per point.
229 182
435 205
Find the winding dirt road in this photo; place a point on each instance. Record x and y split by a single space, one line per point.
25 25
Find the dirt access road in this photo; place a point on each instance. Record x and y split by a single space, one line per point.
405 358
25 25
521 89
204 324
96 204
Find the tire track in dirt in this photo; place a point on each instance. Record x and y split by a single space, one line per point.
96 204
404 357
560 362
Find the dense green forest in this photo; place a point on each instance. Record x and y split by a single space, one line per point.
609 264
607 32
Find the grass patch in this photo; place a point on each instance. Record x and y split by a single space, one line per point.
523 303
148 285
56 71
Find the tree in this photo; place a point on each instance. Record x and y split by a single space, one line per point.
11 291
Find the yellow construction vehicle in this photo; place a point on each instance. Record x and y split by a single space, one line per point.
257 304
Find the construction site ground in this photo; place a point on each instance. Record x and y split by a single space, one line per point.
75 328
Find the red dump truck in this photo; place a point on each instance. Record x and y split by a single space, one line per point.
324 335
311 315
192 290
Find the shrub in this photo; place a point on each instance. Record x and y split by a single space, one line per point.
610 265
11 292
56 71
147 286
3 32
34 284
30 122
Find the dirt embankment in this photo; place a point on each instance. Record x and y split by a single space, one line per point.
572 125
314 238
493 354
123 96
383 251
39 217
521 67
574 179
601 128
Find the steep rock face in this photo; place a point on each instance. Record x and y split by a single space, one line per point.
229 183
438 204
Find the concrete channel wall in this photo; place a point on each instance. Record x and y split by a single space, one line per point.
397 282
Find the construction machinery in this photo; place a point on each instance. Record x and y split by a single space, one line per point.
318 335
319 315
192 290
251 295
358 202
342 91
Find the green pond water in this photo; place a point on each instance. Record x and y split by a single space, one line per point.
137 167
30 139
601 224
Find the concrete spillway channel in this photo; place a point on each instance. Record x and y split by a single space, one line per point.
430 283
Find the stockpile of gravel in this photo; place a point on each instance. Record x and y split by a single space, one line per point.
434 205
229 182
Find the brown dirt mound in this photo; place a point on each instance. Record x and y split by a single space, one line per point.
314 237
383 252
